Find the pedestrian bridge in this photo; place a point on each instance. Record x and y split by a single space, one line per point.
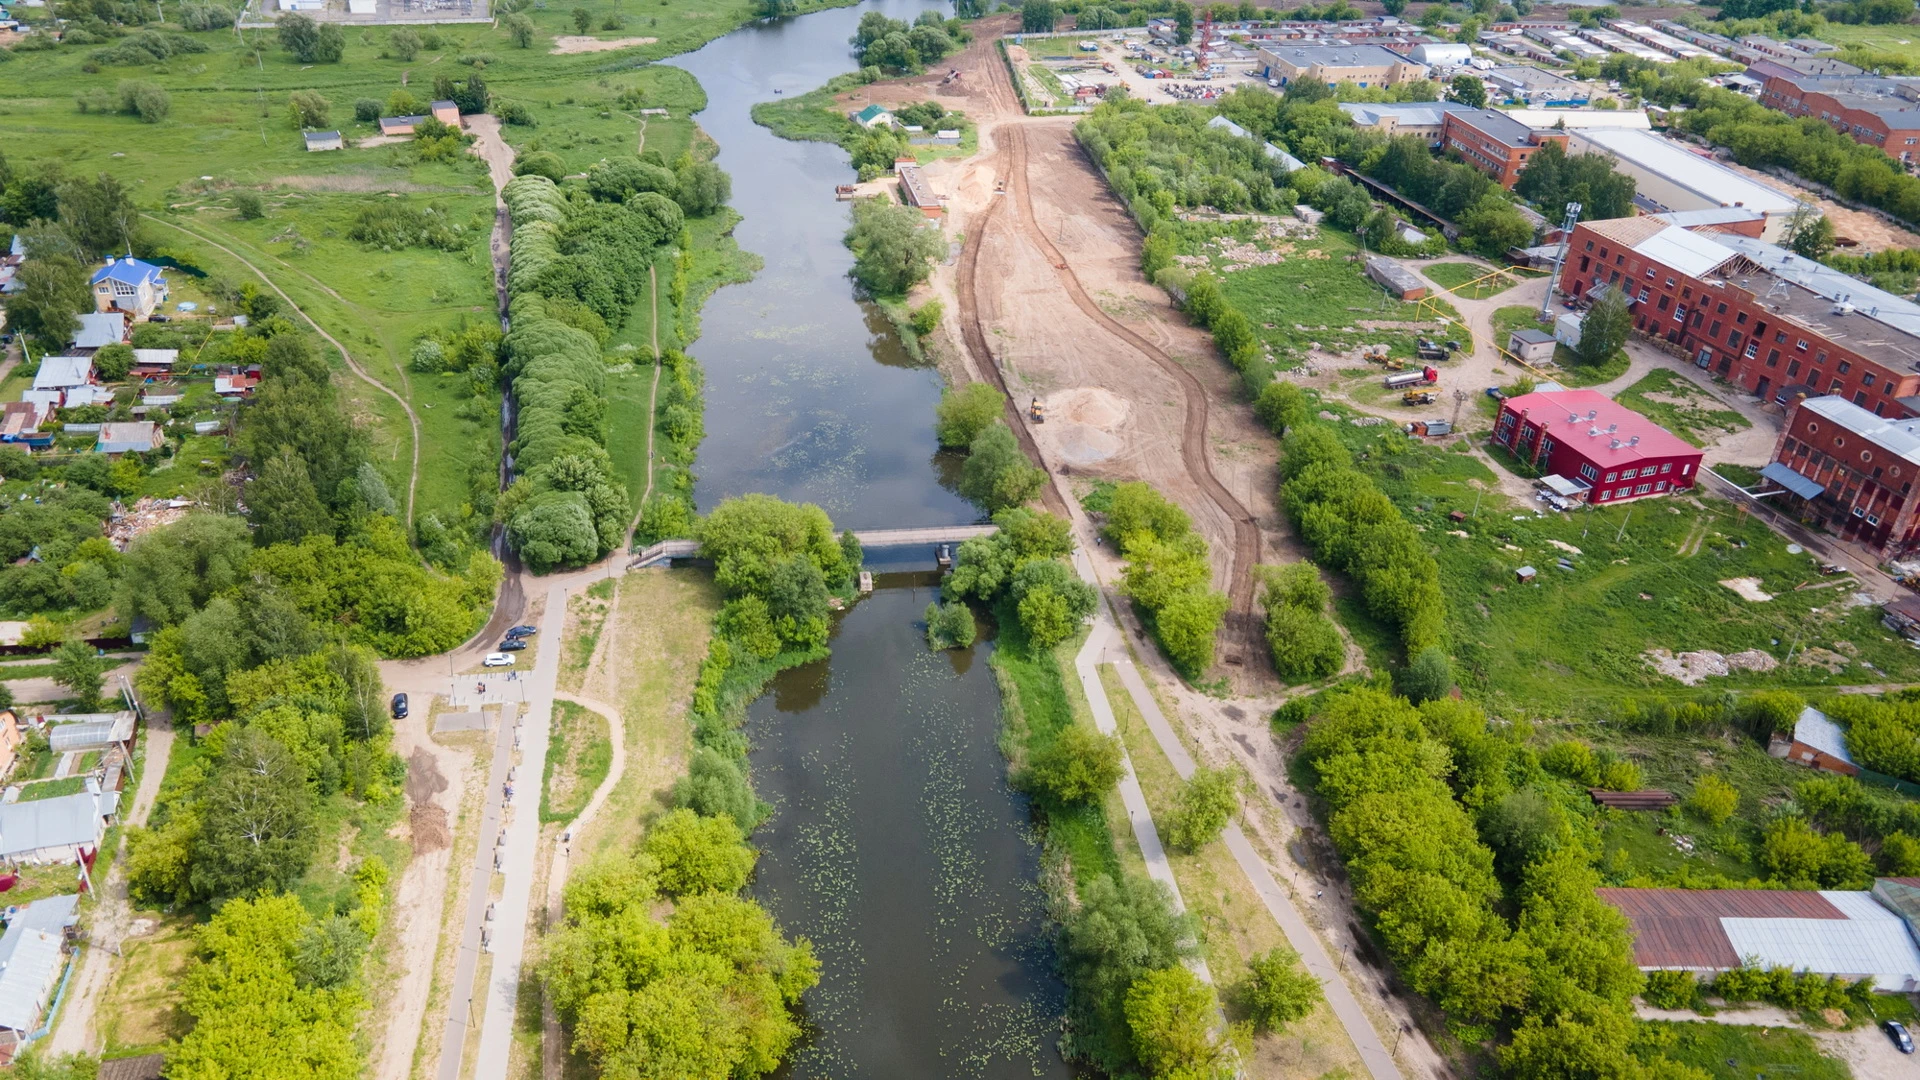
667 550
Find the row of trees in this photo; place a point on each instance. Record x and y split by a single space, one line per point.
996 475
1352 526
1403 787
1167 574
897 48
577 266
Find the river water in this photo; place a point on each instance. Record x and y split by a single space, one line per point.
896 844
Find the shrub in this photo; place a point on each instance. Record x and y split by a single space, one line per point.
926 318
964 413
1207 801
949 625
1671 989
997 475
540 163
366 110
1080 765
1304 642
309 109
145 100
1426 677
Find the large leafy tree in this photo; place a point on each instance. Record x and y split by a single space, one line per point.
256 818
997 475
52 292
1604 329
1170 1014
99 215
282 501
893 249
1079 765
257 1015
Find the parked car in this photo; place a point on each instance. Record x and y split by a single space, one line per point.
399 706
1496 393
497 659
1897 1031
513 644
522 631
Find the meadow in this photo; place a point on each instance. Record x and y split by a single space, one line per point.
229 133
1644 576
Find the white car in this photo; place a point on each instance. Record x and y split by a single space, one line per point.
497 659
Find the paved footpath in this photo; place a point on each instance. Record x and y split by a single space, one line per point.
1087 663
523 836
528 725
1346 1008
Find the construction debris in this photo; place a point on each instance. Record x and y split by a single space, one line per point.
146 515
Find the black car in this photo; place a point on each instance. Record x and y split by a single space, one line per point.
1897 1031
522 631
399 706
513 644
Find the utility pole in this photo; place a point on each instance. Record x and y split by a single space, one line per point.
1623 525
1560 256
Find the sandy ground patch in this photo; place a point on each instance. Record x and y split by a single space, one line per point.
569 44
1748 588
1872 233
1081 425
1694 668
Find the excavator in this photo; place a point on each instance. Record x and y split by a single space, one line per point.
1037 412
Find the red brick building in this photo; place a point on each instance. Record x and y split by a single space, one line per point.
1849 472
1877 110
1774 324
1587 438
1494 142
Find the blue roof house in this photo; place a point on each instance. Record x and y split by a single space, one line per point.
129 285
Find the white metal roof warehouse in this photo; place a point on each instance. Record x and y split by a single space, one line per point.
1671 177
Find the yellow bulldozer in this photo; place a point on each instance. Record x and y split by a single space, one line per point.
1037 412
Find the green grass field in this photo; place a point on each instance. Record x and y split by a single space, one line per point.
1675 403
1471 280
229 131
1730 1052
1316 294
1571 642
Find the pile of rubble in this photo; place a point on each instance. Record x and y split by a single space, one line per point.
145 515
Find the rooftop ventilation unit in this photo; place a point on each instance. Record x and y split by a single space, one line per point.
1613 444
1611 428
1593 414
1573 418
1843 308
1634 441
1592 431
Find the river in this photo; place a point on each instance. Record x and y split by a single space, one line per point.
896 844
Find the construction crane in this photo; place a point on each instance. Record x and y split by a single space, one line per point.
1560 256
1203 42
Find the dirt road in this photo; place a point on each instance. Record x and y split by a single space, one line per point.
112 920
1048 303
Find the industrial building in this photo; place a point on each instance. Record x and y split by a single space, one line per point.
1494 142
1535 86
1604 451
1562 39
1855 935
1441 54
1878 110
1669 176
1850 472
1363 65
1666 43
1758 315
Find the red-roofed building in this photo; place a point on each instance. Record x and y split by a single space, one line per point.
1603 447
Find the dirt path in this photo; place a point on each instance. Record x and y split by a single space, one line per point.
489 147
653 393
112 919
572 44
436 777
552 1042
413 418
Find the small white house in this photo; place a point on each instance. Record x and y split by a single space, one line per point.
324 140
60 373
129 285
1566 329
32 956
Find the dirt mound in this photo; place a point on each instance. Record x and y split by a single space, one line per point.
569 44
428 824
1081 424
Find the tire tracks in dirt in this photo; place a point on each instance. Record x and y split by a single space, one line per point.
1193 440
